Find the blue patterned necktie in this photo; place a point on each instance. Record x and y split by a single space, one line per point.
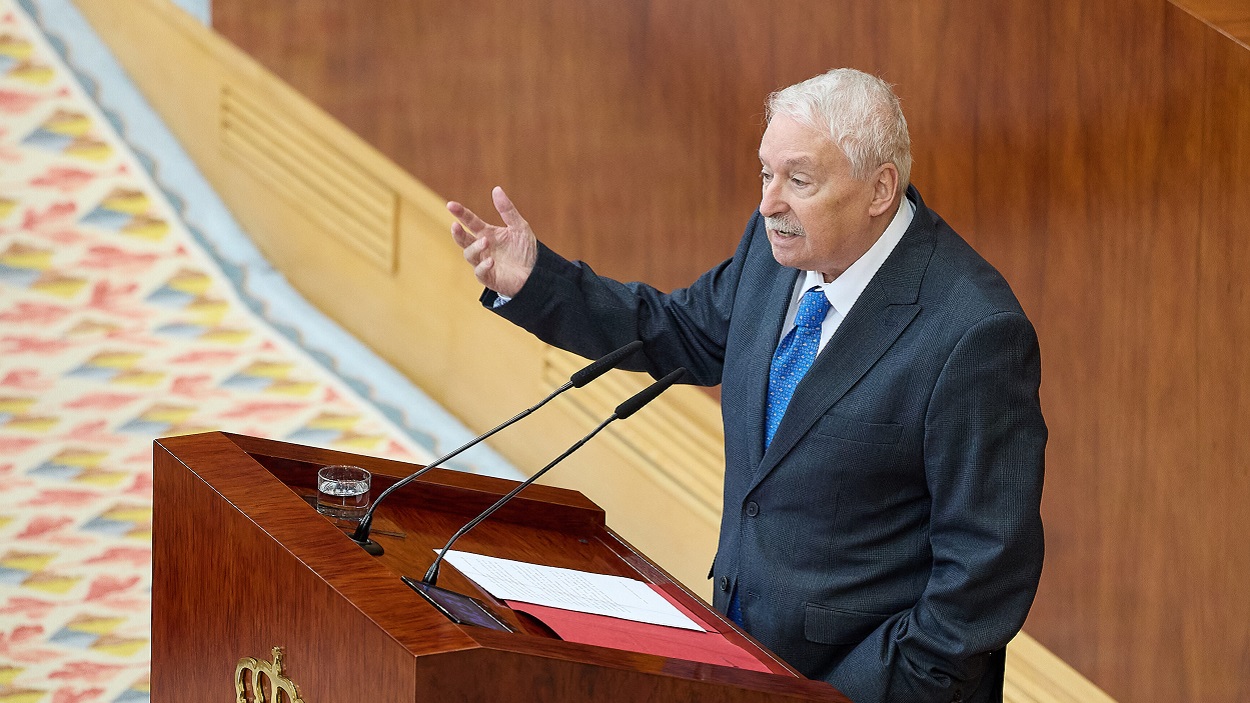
794 356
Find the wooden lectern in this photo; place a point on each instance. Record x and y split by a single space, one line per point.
243 563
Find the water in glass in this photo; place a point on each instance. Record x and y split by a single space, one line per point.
343 492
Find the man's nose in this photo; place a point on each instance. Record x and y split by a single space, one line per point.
771 202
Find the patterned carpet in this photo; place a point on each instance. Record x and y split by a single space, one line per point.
116 327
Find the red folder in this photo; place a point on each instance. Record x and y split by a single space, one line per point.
709 647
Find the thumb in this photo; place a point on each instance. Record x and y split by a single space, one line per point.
507 210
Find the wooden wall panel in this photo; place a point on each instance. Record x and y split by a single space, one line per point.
1097 151
1211 524
1229 17
544 98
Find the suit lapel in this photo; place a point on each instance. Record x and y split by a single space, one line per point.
763 343
885 308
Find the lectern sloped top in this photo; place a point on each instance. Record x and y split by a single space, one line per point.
243 563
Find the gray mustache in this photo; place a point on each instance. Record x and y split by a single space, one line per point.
787 225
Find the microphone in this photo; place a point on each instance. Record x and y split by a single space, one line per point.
592 371
624 410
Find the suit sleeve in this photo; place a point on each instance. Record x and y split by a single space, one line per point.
567 305
983 455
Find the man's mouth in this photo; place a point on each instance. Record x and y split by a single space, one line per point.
786 233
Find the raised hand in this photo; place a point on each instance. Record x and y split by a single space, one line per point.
502 257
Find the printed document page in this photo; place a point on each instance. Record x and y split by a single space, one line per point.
580 591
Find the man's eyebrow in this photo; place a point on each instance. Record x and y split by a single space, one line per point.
793 162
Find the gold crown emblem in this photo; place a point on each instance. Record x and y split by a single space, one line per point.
258 681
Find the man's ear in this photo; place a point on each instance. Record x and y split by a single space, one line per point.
885 187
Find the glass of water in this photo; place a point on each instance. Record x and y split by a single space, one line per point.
343 492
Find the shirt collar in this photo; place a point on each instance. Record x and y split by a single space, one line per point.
844 290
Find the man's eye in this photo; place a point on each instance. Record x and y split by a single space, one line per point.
799 182
766 176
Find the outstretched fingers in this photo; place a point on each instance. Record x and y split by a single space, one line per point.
502 257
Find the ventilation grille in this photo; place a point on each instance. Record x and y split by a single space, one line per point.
674 444
304 169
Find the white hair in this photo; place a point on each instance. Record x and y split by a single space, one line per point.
858 111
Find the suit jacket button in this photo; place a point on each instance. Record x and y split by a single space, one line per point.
753 509
724 583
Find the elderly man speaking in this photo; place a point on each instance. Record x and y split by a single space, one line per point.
884 438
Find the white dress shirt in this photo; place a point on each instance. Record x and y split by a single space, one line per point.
844 290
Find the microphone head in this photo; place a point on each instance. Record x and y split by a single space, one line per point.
601 366
648 394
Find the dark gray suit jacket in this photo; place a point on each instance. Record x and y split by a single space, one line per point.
889 541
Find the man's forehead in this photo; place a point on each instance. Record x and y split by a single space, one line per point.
789 142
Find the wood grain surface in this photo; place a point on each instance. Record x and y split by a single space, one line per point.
1096 151
1228 17
243 563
